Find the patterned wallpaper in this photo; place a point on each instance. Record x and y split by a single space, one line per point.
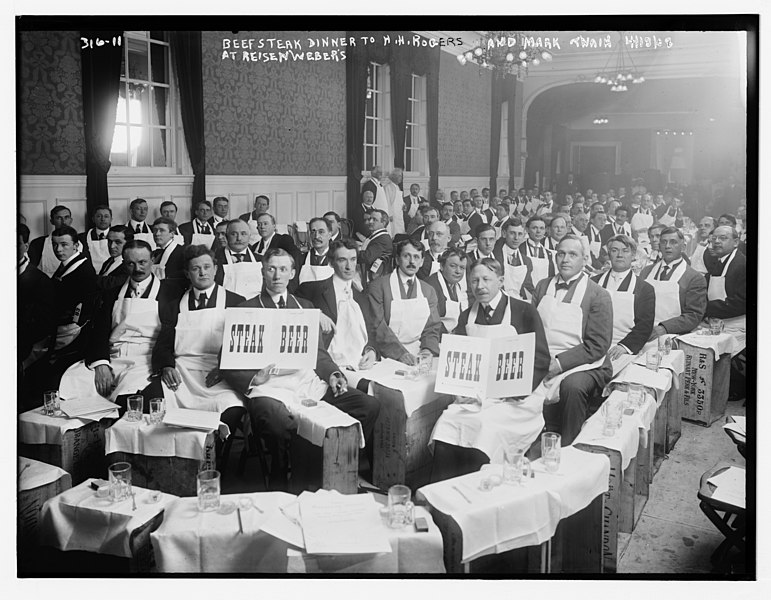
51 109
464 119
272 118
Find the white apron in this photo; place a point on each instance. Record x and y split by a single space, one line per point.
197 342
291 386
514 277
242 278
205 239
350 334
736 326
159 270
464 226
395 204
254 235
381 201
179 239
97 250
408 317
452 308
594 245
48 261
623 309
309 272
697 259
500 423
145 237
563 325
540 265
136 327
667 292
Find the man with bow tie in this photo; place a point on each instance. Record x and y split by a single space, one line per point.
438 241
41 252
577 315
315 264
199 230
113 272
168 262
620 226
238 269
266 227
542 258
220 209
516 264
449 283
94 241
270 395
139 210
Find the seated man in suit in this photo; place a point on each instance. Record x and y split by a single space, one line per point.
429 215
94 241
438 241
41 251
261 206
358 213
542 259
199 230
557 229
168 262
169 210
517 266
580 221
220 236
186 353
449 283
220 210
113 272
126 327
633 298
375 251
138 224
478 216
238 269
464 440
315 264
485 236
681 292
451 220
706 225
270 396
404 309
333 220
597 222
411 202
577 315
727 282
374 185
266 227
619 226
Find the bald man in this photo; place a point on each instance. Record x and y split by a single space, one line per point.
438 234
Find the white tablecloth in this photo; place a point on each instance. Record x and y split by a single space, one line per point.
509 517
34 474
77 520
37 428
313 422
724 343
629 437
417 392
659 381
150 439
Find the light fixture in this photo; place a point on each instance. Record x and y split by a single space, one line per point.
623 71
600 120
672 132
507 52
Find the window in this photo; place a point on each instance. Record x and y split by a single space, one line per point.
378 88
144 123
503 155
415 134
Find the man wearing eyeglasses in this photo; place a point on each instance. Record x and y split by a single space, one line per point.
727 281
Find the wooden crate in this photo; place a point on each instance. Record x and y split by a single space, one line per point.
705 391
401 453
668 425
334 466
28 506
170 474
81 452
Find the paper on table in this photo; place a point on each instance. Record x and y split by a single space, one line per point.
737 429
739 424
621 362
84 407
192 419
284 523
334 523
731 486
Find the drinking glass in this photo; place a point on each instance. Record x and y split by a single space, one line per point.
51 405
424 365
715 326
614 412
208 490
135 405
550 451
120 481
514 464
636 395
665 345
400 508
157 410
652 360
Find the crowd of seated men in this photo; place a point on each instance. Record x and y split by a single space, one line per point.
140 307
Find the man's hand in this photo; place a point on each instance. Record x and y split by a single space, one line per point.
213 377
103 380
554 369
327 324
407 359
616 352
170 376
425 354
262 376
657 332
367 360
338 383
66 334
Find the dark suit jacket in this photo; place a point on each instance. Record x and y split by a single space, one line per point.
527 284
369 186
408 204
280 240
168 310
425 269
552 256
35 251
219 257
644 311
36 314
79 287
113 279
175 268
735 304
186 230
357 218
387 344
441 300
525 319
246 216
325 366
474 221
417 235
381 247
597 325
322 295
693 301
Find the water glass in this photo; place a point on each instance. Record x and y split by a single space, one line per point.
51 404
424 365
652 360
665 345
400 508
551 444
157 410
715 326
135 406
208 490
636 395
514 464
614 413
120 481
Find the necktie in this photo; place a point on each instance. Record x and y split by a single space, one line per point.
59 271
204 229
106 266
281 302
201 301
453 290
261 247
157 253
488 312
408 287
101 236
139 229
664 274
239 257
135 293
563 286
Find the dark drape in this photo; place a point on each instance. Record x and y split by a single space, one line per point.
356 64
401 86
513 136
495 130
101 84
426 63
186 52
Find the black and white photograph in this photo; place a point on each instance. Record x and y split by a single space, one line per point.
315 296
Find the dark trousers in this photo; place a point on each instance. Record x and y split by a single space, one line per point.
453 461
577 390
272 421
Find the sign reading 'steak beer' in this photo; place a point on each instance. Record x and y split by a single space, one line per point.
257 337
489 368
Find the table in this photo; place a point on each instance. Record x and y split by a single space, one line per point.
509 517
630 452
75 445
707 376
162 457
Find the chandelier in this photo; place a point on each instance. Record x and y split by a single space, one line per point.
508 52
623 71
